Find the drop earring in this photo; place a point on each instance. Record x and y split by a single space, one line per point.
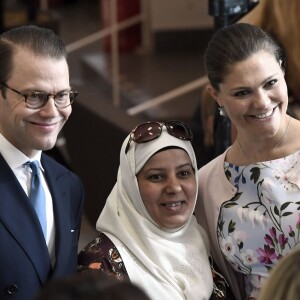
222 111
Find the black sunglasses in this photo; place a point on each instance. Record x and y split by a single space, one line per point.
149 131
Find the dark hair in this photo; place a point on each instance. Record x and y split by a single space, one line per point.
39 41
90 286
236 43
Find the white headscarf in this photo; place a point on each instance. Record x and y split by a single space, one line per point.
166 264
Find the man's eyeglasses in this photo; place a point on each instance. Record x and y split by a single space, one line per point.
149 131
36 100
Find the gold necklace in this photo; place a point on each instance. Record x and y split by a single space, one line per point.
279 142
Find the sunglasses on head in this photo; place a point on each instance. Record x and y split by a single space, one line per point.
149 131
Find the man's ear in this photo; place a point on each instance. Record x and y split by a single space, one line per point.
215 94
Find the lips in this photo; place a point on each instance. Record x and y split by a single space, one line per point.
43 124
45 128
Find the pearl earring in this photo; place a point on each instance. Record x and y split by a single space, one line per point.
222 111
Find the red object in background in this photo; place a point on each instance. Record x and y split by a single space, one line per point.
129 39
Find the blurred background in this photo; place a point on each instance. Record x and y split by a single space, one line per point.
149 66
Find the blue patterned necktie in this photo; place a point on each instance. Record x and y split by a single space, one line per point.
37 195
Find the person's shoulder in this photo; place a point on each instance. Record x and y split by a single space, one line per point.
55 170
102 255
211 166
49 162
100 240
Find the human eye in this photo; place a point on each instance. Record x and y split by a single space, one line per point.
186 172
241 94
155 177
36 97
271 83
62 96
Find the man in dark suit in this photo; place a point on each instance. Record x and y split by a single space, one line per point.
35 103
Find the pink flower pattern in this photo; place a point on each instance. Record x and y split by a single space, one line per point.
266 255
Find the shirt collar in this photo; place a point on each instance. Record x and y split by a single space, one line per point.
13 156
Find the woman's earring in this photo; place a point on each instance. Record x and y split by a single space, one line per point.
222 111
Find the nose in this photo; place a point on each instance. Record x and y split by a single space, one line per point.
173 185
262 100
49 109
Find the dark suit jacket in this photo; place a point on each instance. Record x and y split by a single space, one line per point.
24 259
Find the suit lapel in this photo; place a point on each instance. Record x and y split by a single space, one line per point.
57 180
20 220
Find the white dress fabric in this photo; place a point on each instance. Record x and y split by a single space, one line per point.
165 264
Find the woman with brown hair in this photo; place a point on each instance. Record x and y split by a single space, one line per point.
249 196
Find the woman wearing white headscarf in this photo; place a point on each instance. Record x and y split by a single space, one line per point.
158 244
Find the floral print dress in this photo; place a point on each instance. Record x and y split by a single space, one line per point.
261 223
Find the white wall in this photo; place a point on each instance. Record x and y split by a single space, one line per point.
179 14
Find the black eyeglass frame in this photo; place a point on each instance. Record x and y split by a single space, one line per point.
25 95
168 125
